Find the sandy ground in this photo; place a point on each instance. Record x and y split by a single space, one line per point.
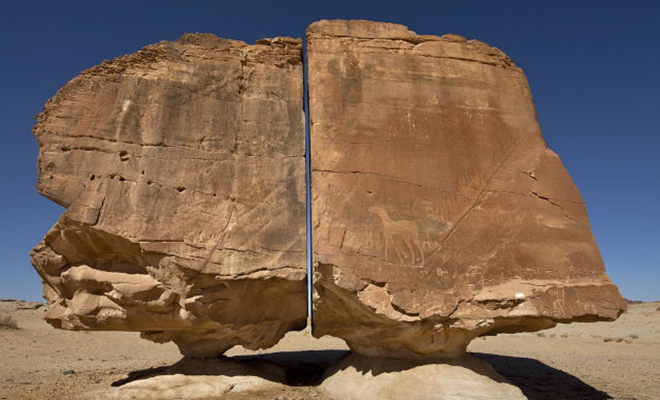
598 361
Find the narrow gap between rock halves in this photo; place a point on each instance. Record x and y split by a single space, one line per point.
308 185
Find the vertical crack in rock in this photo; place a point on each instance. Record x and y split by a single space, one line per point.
394 274
182 170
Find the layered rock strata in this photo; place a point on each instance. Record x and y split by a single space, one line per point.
181 168
438 212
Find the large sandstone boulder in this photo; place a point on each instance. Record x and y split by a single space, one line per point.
182 171
438 212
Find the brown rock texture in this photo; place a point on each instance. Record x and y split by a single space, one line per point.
438 212
182 170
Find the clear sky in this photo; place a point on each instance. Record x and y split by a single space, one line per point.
594 69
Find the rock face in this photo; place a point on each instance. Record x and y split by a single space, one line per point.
463 378
182 171
438 212
200 380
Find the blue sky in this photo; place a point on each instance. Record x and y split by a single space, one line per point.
592 66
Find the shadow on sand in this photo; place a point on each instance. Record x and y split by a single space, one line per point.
537 380
542 382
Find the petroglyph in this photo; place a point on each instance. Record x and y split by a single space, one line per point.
406 231
407 241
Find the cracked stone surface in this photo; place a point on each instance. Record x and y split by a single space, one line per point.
181 168
438 212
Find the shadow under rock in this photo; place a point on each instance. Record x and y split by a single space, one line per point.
541 382
537 380
303 368
382 365
294 368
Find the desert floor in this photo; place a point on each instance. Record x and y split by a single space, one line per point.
618 360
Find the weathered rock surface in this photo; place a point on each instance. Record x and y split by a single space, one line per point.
439 213
463 378
200 380
182 170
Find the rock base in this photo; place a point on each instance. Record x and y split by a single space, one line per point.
195 379
356 377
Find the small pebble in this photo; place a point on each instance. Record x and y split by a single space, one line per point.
68 372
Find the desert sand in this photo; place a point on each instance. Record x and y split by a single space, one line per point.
611 360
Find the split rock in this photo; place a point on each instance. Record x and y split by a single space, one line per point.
438 212
181 168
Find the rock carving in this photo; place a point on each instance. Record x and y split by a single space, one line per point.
406 231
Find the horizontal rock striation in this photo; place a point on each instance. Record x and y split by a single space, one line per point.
181 168
438 212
